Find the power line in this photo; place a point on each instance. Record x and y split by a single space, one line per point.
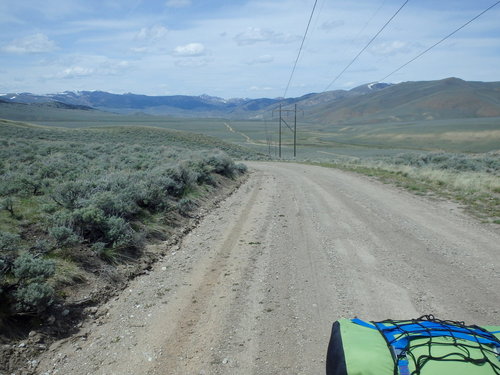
351 41
366 46
370 20
300 49
442 40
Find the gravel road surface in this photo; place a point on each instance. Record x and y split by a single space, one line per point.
255 287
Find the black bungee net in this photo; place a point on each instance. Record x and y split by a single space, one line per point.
460 349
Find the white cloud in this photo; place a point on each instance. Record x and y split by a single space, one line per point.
178 3
150 39
254 35
263 59
36 43
190 50
76 71
152 34
86 66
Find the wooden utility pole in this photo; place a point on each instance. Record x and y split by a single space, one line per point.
294 130
295 133
280 135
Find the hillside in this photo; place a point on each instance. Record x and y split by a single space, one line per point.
450 98
50 111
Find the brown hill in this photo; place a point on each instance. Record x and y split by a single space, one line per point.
415 101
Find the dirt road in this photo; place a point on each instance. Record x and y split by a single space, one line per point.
255 287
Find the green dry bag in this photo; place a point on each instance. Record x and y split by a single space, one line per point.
423 346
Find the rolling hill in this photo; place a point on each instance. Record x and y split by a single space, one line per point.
450 98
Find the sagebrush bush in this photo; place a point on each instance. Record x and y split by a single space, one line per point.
185 205
241 168
68 194
32 293
64 236
9 184
31 183
121 204
203 172
89 222
221 163
119 233
41 247
28 268
183 180
153 195
8 241
34 297
7 204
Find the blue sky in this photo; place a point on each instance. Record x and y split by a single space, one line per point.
237 48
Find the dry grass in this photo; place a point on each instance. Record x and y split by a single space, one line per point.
456 136
466 182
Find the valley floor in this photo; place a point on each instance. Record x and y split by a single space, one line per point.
255 287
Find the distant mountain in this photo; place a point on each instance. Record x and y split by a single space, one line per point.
125 103
415 101
182 105
370 103
53 104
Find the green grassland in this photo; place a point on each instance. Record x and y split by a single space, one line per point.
461 135
315 139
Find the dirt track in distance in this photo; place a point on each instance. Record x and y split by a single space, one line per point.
255 287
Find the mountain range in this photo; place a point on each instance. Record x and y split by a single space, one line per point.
371 103
180 105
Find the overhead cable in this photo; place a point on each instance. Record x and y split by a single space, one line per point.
369 20
442 40
366 46
300 49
